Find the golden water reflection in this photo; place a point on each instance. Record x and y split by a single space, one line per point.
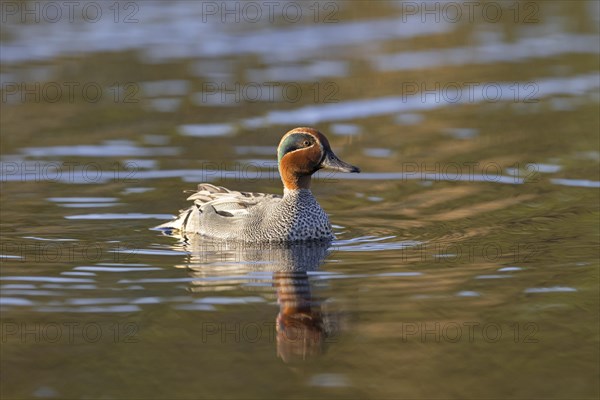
302 326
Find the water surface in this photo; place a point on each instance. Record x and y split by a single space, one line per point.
466 257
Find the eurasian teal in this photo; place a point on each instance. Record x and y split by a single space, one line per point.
221 213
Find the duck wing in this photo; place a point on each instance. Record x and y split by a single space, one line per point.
227 201
215 202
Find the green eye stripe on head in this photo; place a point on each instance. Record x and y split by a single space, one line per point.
293 142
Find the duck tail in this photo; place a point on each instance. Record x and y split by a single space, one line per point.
187 221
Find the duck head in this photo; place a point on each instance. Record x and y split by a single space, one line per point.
304 151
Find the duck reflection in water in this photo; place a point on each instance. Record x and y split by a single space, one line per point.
301 332
302 327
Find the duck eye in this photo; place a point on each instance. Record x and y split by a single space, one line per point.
306 143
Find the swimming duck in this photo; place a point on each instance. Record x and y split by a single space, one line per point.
220 213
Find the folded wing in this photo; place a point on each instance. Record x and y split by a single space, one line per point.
212 202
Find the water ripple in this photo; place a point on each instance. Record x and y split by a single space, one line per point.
116 269
108 309
576 182
120 216
44 279
554 289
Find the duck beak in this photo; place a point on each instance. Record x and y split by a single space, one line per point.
331 161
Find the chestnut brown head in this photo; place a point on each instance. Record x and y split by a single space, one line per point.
304 151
